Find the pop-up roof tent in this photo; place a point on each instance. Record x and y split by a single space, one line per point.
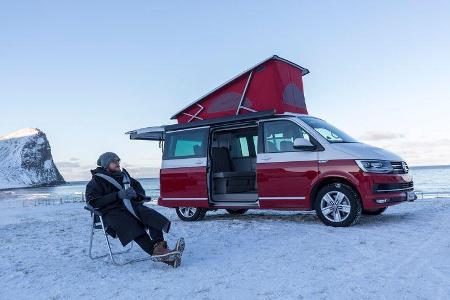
274 84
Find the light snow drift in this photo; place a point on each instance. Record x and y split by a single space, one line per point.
402 254
26 160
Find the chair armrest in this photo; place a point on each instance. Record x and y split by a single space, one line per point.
144 198
93 210
147 199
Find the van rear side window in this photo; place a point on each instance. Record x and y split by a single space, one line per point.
186 144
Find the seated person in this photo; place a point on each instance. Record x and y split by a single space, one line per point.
129 223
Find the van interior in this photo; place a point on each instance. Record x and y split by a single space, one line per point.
233 165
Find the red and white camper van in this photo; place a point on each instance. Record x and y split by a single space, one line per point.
251 144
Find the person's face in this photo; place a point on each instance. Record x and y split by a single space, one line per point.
114 165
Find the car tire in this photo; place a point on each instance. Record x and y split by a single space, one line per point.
190 213
237 211
338 205
375 212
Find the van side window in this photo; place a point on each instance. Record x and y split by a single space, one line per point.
279 136
186 144
255 142
244 147
239 147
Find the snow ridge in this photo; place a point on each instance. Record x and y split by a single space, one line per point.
26 160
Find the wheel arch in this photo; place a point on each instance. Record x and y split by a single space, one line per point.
329 180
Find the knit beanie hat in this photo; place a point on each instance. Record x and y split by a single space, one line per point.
106 158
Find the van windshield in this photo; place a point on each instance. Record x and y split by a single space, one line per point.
328 131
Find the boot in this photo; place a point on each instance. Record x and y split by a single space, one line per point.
180 245
161 250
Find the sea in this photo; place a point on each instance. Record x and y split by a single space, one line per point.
427 180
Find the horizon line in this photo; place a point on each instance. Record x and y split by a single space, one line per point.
411 167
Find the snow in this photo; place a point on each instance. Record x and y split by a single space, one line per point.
20 133
21 155
402 254
48 164
10 152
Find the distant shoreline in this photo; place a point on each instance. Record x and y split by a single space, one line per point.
157 178
411 167
137 178
36 186
431 167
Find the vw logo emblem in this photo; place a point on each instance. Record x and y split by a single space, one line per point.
405 167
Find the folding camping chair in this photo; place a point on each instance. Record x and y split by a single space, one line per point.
97 223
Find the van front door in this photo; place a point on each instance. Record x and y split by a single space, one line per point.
183 174
284 174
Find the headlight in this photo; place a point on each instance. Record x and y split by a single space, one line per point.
374 166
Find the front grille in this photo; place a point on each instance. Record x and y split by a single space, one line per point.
393 187
399 167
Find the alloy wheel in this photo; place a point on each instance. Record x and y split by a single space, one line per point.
335 206
188 212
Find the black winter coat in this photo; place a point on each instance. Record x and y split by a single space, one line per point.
103 195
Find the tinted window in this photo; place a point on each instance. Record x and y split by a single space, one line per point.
186 144
279 136
239 147
328 131
244 146
255 142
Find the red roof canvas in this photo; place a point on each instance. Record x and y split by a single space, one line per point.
275 83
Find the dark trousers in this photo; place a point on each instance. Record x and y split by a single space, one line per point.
147 243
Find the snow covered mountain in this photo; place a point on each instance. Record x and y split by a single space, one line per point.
26 160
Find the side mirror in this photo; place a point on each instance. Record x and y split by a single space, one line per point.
303 144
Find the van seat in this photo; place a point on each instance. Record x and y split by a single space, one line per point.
226 180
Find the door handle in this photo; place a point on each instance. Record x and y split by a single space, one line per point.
198 162
266 158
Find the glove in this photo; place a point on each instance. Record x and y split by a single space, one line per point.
128 193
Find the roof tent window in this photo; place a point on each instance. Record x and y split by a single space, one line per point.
186 144
292 95
227 101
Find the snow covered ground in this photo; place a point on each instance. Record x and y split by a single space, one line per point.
403 254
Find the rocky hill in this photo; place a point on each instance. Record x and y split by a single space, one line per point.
26 160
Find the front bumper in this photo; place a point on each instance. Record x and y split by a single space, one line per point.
381 190
393 198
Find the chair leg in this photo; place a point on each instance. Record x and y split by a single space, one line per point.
110 252
92 236
107 242
131 247
91 242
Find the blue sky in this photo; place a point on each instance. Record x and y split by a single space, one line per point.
87 71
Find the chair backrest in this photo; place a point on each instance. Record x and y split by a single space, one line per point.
97 222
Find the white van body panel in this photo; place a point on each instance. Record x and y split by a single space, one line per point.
294 156
184 163
365 151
